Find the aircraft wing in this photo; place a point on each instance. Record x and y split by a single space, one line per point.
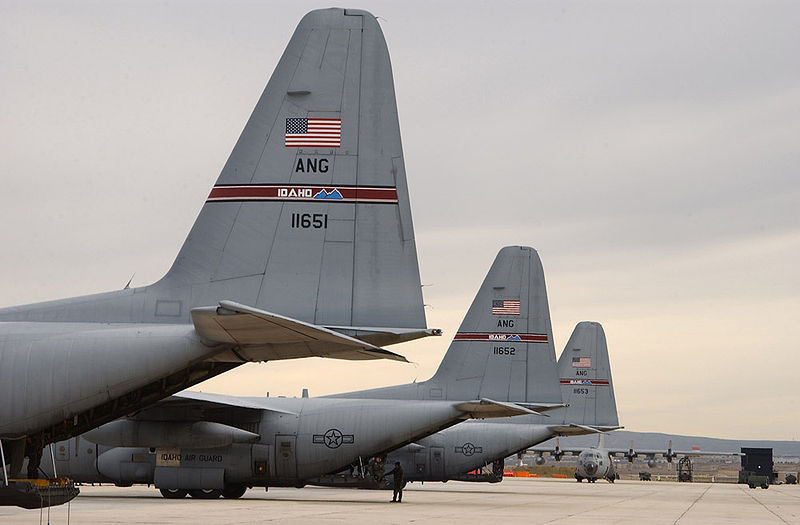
190 420
667 453
265 336
556 452
187 419
675 453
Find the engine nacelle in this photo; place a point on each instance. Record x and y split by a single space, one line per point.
539 460
126 466
168 434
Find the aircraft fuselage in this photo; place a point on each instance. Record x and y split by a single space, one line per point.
72 367
594 464
466 447
298 439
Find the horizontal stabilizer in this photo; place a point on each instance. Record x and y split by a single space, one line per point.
575 429
266 336
542 407
487 408
385 336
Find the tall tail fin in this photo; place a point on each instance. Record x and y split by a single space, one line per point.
585 371
310 217
504 348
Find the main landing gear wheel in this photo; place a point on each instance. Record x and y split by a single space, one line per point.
205 493
174 493
234 491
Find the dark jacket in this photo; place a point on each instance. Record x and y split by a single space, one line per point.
397 472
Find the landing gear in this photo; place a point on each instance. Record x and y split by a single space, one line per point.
578 478
205 493
174 493
234 491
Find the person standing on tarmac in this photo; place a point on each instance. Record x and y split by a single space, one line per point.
397 472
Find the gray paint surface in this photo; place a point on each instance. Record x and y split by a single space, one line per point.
501 356
248 252
473 368
476 444
59 360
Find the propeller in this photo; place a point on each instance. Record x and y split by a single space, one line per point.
670 455
557 452
631 454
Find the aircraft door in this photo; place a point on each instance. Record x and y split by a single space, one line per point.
437 463
62 450
421 461
260 461
285 456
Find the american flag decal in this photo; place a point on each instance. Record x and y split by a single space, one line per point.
581 362
313 132
505 307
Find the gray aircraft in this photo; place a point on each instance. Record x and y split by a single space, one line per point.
210 445
302 239
500 363
475 450
597 462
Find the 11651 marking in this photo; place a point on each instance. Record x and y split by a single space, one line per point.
310 220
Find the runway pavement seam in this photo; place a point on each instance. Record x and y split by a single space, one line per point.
785 494
698 498
750 492
595 508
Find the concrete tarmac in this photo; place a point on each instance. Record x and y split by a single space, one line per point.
512 501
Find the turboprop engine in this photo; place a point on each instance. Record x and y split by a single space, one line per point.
177 434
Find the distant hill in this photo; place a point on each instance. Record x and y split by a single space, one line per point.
655 440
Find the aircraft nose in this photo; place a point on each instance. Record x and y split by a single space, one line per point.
591 467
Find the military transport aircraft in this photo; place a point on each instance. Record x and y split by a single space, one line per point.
597 462
500 363
584 372
302 239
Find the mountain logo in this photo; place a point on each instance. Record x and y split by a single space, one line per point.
323 194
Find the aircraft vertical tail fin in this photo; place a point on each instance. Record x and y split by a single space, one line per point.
504 347
585 371
310 216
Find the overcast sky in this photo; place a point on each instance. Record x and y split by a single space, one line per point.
649 150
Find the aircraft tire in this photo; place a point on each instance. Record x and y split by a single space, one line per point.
174 493
234 491
205 493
